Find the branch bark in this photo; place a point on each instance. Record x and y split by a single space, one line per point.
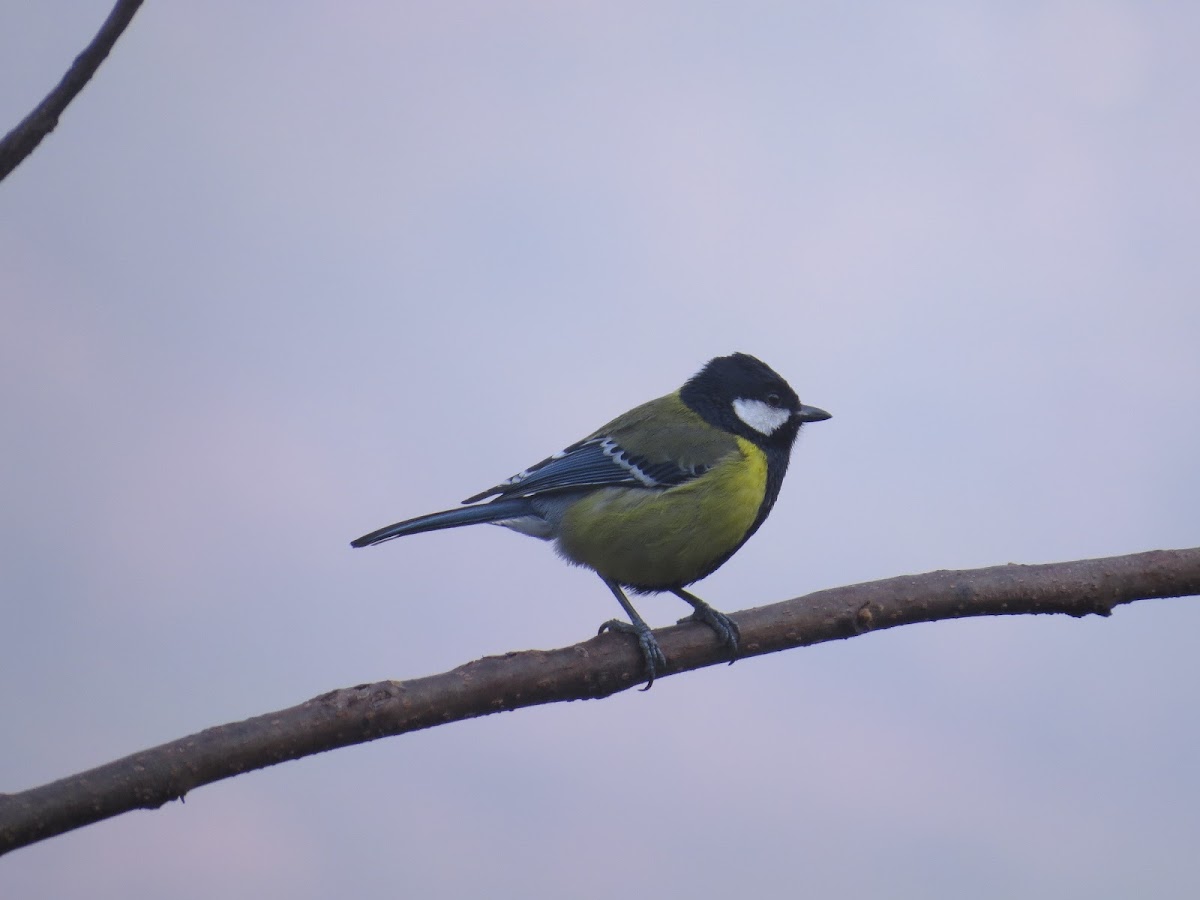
23 139
596 668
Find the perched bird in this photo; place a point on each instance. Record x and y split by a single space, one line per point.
659 497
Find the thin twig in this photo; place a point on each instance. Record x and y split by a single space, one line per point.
22 140
596 668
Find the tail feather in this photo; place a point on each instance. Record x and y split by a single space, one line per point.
496 511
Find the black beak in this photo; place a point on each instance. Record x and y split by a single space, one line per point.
811 414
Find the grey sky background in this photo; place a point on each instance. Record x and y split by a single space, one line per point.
289 272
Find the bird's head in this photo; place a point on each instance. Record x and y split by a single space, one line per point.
744 395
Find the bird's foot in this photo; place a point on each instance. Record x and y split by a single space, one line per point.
652 654
727 631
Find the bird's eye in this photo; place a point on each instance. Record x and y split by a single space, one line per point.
773 400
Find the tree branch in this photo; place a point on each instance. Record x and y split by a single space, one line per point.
596 668
22 140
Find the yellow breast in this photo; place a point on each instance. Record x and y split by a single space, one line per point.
652 538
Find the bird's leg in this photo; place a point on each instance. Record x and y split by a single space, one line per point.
651 653
726 629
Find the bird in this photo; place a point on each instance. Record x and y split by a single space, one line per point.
660 497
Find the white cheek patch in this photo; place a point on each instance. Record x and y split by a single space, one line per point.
762 418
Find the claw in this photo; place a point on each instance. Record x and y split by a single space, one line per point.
727 630
652 655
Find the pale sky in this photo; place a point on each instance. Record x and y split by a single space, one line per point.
286 273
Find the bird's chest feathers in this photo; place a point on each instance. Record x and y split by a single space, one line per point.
654 539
